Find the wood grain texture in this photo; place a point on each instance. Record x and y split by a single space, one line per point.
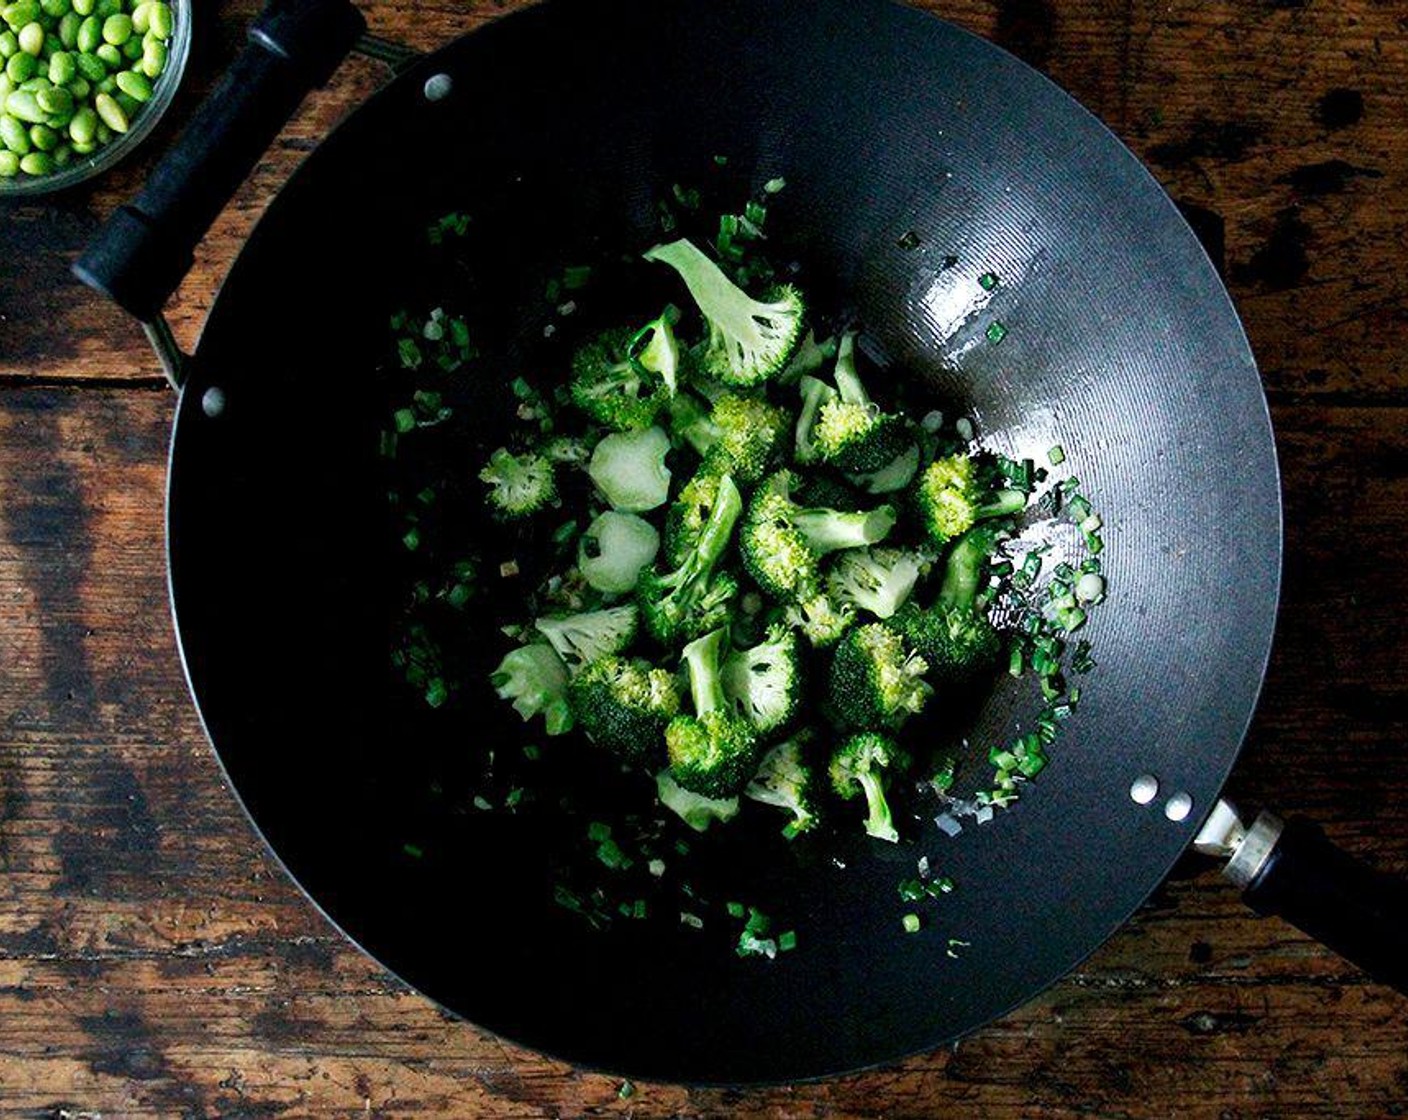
154 960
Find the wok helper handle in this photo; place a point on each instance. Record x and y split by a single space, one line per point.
1294 871
142 253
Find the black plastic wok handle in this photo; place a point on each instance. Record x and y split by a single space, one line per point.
1297 873
141 255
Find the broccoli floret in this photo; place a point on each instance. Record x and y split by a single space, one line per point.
741 436
877 680
765 681
629 469
612 387
956 639
851 431
695 810
625 706
787 781
714 751
811 355
895 475
615 549
821 619
950 499
581 639
694 597
877 580
519 485
656 350
815 395
748 340
782 543
688 514
535 679
859 766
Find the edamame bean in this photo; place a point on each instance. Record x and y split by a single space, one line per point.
9 164
84 7
107 8
63 155
84 126
62 68
9 43
85 149
35 84
160 20
142 17
20 13
91 67
55 99
22 106
21 67
37 163
68 30
117 29
7 87
90 34
59 121
54 9
52 43
80 88
107 85
44 138
14 136
31 38
153 58
111 56
135 85
130 105
112 114
132 49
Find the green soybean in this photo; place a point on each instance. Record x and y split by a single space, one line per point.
84 126
62 68
31 38
7 86
160 19
20 13
129 104
113 114
84 7
107 8
153 57
135 85
54 9
111 56
84 149
68 30
9 43
21 67
80 88
14 136
43 137
117 29
37 163
90 34
91 67
104 134
9 164
23 106
55 99
35 84
108 84
63 155
142 17
52 43
132 49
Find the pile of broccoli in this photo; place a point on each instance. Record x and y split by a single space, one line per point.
778 573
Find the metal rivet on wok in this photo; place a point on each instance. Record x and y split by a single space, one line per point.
1144 789
212 401
438 86
1178 807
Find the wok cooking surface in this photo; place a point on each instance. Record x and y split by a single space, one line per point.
1121 346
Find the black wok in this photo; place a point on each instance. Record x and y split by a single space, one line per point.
561 129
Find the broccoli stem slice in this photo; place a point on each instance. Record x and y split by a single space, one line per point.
829 530
1004 503
848 382
692 422
728 508
963 572
654 349
878 822
702 659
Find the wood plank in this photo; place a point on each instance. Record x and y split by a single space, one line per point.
154 962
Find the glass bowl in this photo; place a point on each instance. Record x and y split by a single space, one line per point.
85 167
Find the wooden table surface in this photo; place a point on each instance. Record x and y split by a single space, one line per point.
153 961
